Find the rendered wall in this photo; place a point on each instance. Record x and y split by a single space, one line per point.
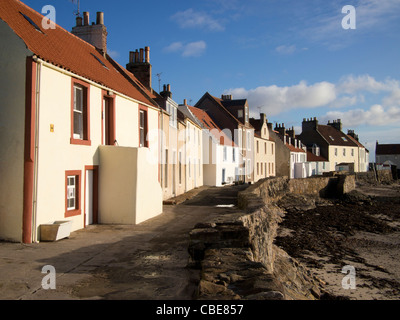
13 55
340 158
129 191
56 153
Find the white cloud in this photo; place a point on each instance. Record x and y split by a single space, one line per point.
326 28
192 19
347 93
194 49
286 49
351 84
174 47
274 100
191 49
376 115
289 49
113 54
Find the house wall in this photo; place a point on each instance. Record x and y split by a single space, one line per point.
318 168
57 154
282 157
13 55
264 159
209 160
132 189
181 185
340 158
229 164
395 158
194 161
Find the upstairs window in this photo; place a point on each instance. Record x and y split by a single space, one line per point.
80 116
143 128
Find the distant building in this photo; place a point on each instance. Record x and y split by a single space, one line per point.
233 115
335 146
318 164
291 155
387 153
175 153
264 149
220 153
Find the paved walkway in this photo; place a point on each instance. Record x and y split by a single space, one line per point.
143 262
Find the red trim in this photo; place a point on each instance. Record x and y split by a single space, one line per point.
29 154
95 170
77 211
146 124
86 116
111 118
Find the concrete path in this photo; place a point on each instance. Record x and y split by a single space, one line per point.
142 262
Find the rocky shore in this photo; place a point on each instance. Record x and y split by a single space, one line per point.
294 245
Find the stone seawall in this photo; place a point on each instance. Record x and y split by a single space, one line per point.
371 177
237 255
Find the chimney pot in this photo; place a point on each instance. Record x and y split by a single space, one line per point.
147 54
185 102
131 57
168 88
141 55
79 21
86 18
136 56
100 18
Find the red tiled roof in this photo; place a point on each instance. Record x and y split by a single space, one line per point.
311 157
62 49
209 124
292 148
382 149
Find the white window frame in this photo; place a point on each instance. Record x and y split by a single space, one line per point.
78 111
71 192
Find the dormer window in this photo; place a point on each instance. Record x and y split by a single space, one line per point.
247 114
240 114
316 150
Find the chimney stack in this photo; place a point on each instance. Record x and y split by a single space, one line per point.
95 34
139 65
166 93
337 124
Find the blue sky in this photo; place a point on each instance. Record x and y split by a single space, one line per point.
290 59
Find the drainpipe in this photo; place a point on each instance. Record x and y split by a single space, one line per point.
161 150
35 173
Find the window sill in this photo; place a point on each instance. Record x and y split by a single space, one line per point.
72 213
81 142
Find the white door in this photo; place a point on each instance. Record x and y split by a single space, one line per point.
89 197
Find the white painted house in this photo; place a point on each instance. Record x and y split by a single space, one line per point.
220 153
73 132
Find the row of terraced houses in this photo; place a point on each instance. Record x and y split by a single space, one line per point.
89 141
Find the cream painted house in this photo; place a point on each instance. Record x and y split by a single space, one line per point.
335 146
181 153
264 149
80 136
